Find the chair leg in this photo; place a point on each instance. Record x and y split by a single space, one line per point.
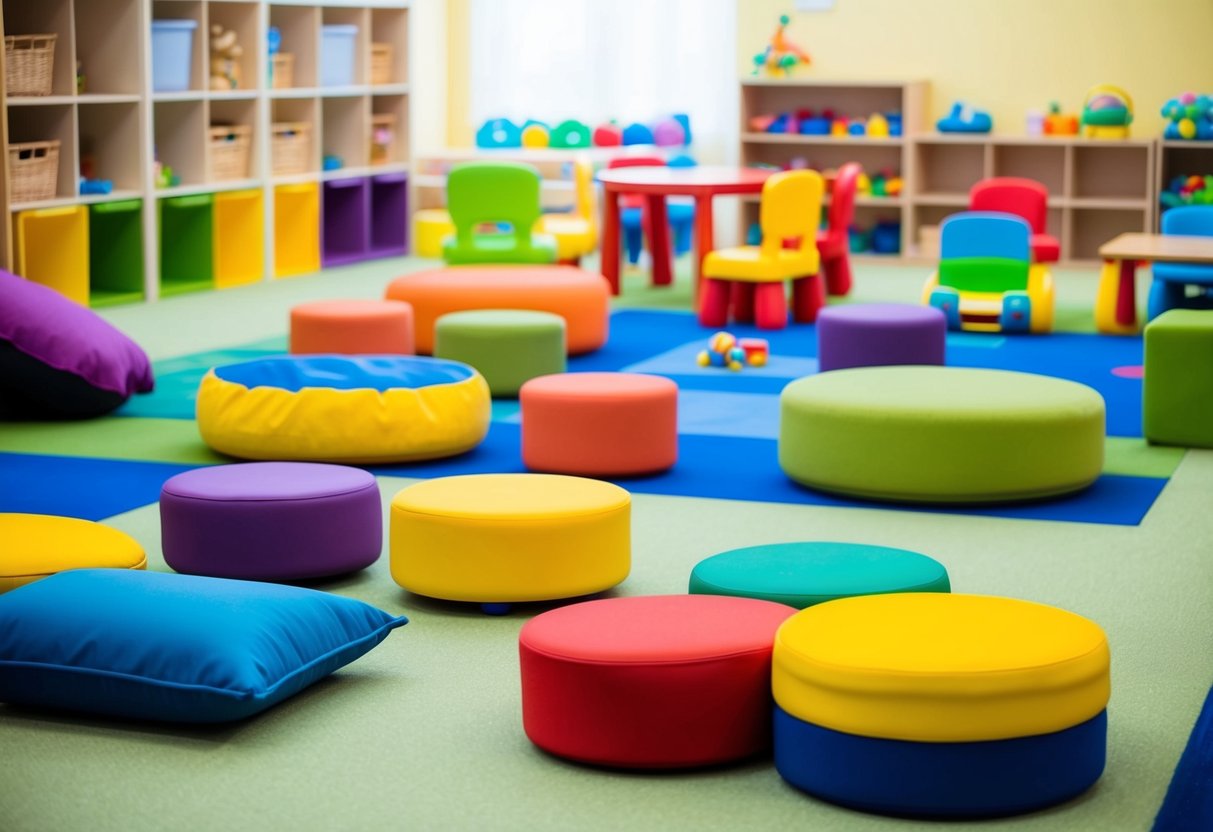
743 302
714 305
634 241
808 296
838 275
770 306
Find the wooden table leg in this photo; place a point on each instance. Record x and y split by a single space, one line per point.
1115 300
609 262
704 241
659 241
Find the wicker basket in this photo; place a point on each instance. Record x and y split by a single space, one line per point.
229 150
33 170
28 61
381 63
383 138
291 147
282 71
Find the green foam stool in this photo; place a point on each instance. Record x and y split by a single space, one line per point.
508 346
948 435
803 574
1177 393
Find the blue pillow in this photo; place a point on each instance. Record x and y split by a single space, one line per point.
176 648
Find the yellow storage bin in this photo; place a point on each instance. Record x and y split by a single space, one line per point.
239 238
52 249
430 227
296 229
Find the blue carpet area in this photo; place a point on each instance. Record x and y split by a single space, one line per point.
1189 801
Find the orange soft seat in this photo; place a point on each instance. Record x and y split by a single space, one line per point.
578 296
352 327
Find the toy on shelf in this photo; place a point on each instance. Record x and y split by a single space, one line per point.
963 118
499 132
637 133
1034 124
1107 113
608 135
95 186
332 161
828 123
725 350
1058 123
1190 117
535 135
886 182
670 131
225 59
163 174
1188 190
781 55
877 126
569 134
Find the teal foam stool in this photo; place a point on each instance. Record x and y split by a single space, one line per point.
803 574
508 346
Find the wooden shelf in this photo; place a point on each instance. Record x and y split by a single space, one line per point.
800 138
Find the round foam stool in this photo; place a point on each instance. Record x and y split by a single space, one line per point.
352 327
941 434
600 424
507 346
498 538
34 546
658 681
803 574
940 705
874 334
271 521
430 227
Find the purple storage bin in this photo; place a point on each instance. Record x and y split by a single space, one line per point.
389 214
345 221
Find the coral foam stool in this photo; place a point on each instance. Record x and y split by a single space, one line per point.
600 424
936 704
658 681
271 521
494 539
507 346
874 334
352 327
34 546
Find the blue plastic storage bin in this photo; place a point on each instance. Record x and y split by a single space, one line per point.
337 55
172 51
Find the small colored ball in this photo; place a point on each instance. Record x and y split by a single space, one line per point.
784 19
703 359
535 136
1187 128
721 342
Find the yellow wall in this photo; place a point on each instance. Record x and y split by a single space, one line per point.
1004 56
459 133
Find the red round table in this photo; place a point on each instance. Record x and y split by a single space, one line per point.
655 184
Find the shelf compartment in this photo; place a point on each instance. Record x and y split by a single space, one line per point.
873 158
109 144
179 128
240 18
344 59
1111 171
116 252
186 244
52 249
847 100
1092 227
296 229
345 131
389 214
45 124
1043 163
949 169
232 138
345 236
199 60
47 17
300 30
388 113
391 27
239 255
105 31
292 137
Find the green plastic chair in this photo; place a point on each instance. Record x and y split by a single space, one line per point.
495 192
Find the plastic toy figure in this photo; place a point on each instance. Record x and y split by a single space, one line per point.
781 54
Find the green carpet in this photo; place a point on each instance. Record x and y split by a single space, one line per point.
425 731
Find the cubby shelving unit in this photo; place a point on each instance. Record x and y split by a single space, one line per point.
216 225
1176 157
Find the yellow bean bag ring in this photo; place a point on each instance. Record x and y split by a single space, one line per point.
34 546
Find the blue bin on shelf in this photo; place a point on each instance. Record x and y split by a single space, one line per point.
172 52
337 55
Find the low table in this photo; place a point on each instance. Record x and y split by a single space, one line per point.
1115 301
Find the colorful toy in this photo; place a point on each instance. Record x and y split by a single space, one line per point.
1107 112
535 135
1058 123
608 135
1022 197
225 59
963 118
499 132
1188 190
669 133
878 126
1034 125
725 350
570 133
757 351
637 133
1191 117
781 55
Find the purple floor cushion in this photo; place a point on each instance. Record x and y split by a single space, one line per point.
60 360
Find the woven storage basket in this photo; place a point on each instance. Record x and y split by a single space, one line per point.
229 149
282 70
28 61
381 63
33 170
291 146
383 138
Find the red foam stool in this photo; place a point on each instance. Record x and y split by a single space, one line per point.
352 327
599 424
658 681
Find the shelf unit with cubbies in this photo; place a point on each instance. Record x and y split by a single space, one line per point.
238 151
1179 157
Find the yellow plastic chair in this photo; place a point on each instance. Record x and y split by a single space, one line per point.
576 232
754 275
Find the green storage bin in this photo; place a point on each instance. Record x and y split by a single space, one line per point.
116 252
186 247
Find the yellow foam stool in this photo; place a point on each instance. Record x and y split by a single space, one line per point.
34 546
498 538
430 227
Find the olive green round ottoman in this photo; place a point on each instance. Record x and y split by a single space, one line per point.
923 434
508 346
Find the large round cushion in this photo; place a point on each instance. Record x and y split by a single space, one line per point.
973 698
59 359
876 334
271 521
941 434
343 409
500 538
803 574
33 546
599 424
663 681
508 346
578 296
352 327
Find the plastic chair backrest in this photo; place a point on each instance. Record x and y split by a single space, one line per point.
1025 198
1189 220
493 192
791 208
985 252
583 180
842 197
628 200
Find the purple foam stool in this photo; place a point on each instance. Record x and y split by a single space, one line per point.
271 521
875 334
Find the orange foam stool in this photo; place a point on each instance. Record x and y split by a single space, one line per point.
578 296
352 327
599 424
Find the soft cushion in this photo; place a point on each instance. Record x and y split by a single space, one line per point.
508 346
33 546
176 648
59 359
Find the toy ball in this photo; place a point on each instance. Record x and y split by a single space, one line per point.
856 127
608 135
570 134
721 342
637 133
669 133
535 136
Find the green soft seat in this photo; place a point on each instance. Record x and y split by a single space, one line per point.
922 434
508 346
807 573
494 193
1178 385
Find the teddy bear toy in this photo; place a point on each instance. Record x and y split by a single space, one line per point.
225 59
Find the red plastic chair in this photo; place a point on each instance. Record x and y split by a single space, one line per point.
1025 198
637 201
833 242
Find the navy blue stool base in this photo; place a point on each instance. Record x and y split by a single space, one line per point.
926 779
